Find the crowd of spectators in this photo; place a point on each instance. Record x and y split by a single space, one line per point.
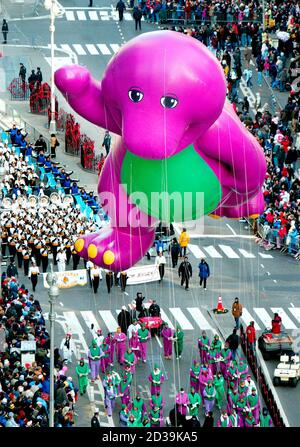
24 384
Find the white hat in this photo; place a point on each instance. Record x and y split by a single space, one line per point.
123 307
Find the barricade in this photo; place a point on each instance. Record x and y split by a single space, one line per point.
19 90
40 97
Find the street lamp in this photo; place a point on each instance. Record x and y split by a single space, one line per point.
53 294
52 6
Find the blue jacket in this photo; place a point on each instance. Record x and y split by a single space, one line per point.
74 190
203 270
159 245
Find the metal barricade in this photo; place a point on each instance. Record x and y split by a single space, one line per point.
19 90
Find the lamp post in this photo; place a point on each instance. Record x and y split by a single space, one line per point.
52 6
53 294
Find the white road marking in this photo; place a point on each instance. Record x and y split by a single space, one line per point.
199 318
79 49
196 251
265 256
104 15
231 229
229 252
166 319
59 61
246 254
212 252
247 317
90 319
66 47
295 311
262 266
115 47
274 280
70 15
286 321
103 48
62 304
93 15
263 316
158 341
81 15
181 318
109 320
127 16
292 304
92 49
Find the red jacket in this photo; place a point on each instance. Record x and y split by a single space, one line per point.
251 334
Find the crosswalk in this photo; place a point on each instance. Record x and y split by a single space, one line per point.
189 319
72 15
224 251
90 49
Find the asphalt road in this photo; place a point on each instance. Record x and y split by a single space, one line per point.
239 267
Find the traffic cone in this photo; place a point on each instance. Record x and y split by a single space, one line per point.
220 307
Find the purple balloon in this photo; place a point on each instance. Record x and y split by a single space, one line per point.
164 94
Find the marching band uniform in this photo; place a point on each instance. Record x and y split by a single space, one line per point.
54 245
68 249
96 277
33 275
26 257
37 252
19 253
4 236
12 246
75 257
44 257
109 280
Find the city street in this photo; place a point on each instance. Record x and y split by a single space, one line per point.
265 281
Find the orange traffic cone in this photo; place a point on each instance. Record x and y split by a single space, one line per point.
220 307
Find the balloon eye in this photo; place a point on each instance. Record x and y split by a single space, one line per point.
135 95
168 102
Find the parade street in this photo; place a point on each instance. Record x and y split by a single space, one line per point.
238 268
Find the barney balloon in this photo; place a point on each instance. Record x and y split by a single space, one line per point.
182 151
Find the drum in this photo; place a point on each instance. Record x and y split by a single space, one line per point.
44 201
7 203
55 198
32 201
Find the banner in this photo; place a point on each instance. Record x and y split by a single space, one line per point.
68 279
143 274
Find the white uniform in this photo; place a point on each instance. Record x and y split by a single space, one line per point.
61 261
67 352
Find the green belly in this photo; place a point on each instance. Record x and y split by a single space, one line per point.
175 189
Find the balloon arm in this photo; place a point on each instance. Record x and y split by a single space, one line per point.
84 95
